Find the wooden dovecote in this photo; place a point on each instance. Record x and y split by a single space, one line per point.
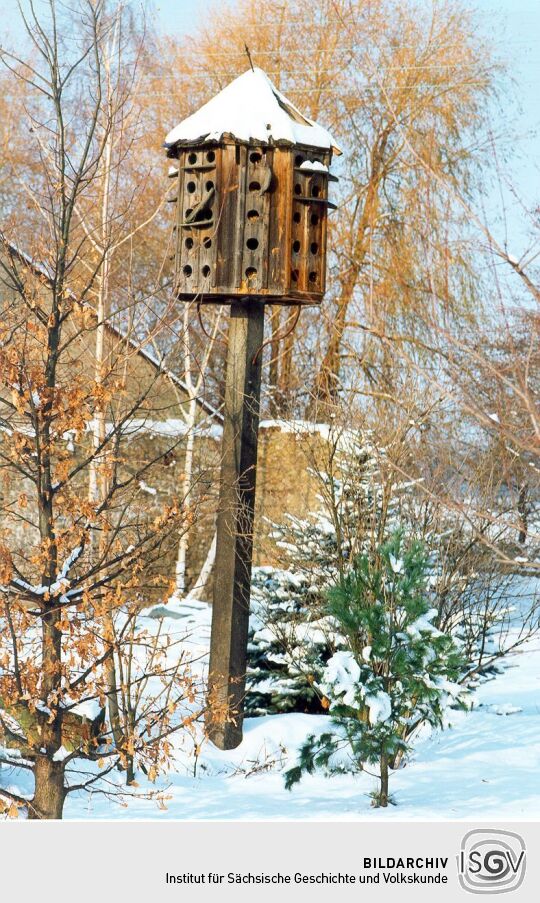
251 191
251 179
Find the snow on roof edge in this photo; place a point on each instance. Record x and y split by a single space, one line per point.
244 110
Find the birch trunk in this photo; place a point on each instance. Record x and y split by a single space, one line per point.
98 479
199 586
193 389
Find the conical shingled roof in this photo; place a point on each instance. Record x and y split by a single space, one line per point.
251 109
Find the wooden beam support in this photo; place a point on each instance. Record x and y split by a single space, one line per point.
230 614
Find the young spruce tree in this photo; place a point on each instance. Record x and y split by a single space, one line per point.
396 672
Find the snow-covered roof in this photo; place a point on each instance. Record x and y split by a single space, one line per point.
251 109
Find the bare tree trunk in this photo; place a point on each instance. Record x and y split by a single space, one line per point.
193 389
130 769
275 393
198 589
49 775
49 795
112 687
49 790
383 795
98 481
327 381
183 543
286 375
523 511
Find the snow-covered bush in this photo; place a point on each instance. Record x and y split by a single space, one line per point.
362 501
291 639
397 669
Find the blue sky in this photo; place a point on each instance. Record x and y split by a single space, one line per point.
513 24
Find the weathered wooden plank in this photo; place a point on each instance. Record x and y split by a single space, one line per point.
267 237
225 228
257 214
238 243
280 225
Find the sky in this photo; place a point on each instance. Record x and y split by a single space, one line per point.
514 26
516 22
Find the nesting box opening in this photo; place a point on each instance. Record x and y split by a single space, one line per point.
252 198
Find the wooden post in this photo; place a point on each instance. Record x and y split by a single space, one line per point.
230 614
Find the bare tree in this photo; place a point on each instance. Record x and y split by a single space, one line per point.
83 541
376 75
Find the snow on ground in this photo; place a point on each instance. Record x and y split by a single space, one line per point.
486 766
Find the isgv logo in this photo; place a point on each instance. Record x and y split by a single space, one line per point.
491 861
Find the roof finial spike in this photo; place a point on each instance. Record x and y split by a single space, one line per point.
249 57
